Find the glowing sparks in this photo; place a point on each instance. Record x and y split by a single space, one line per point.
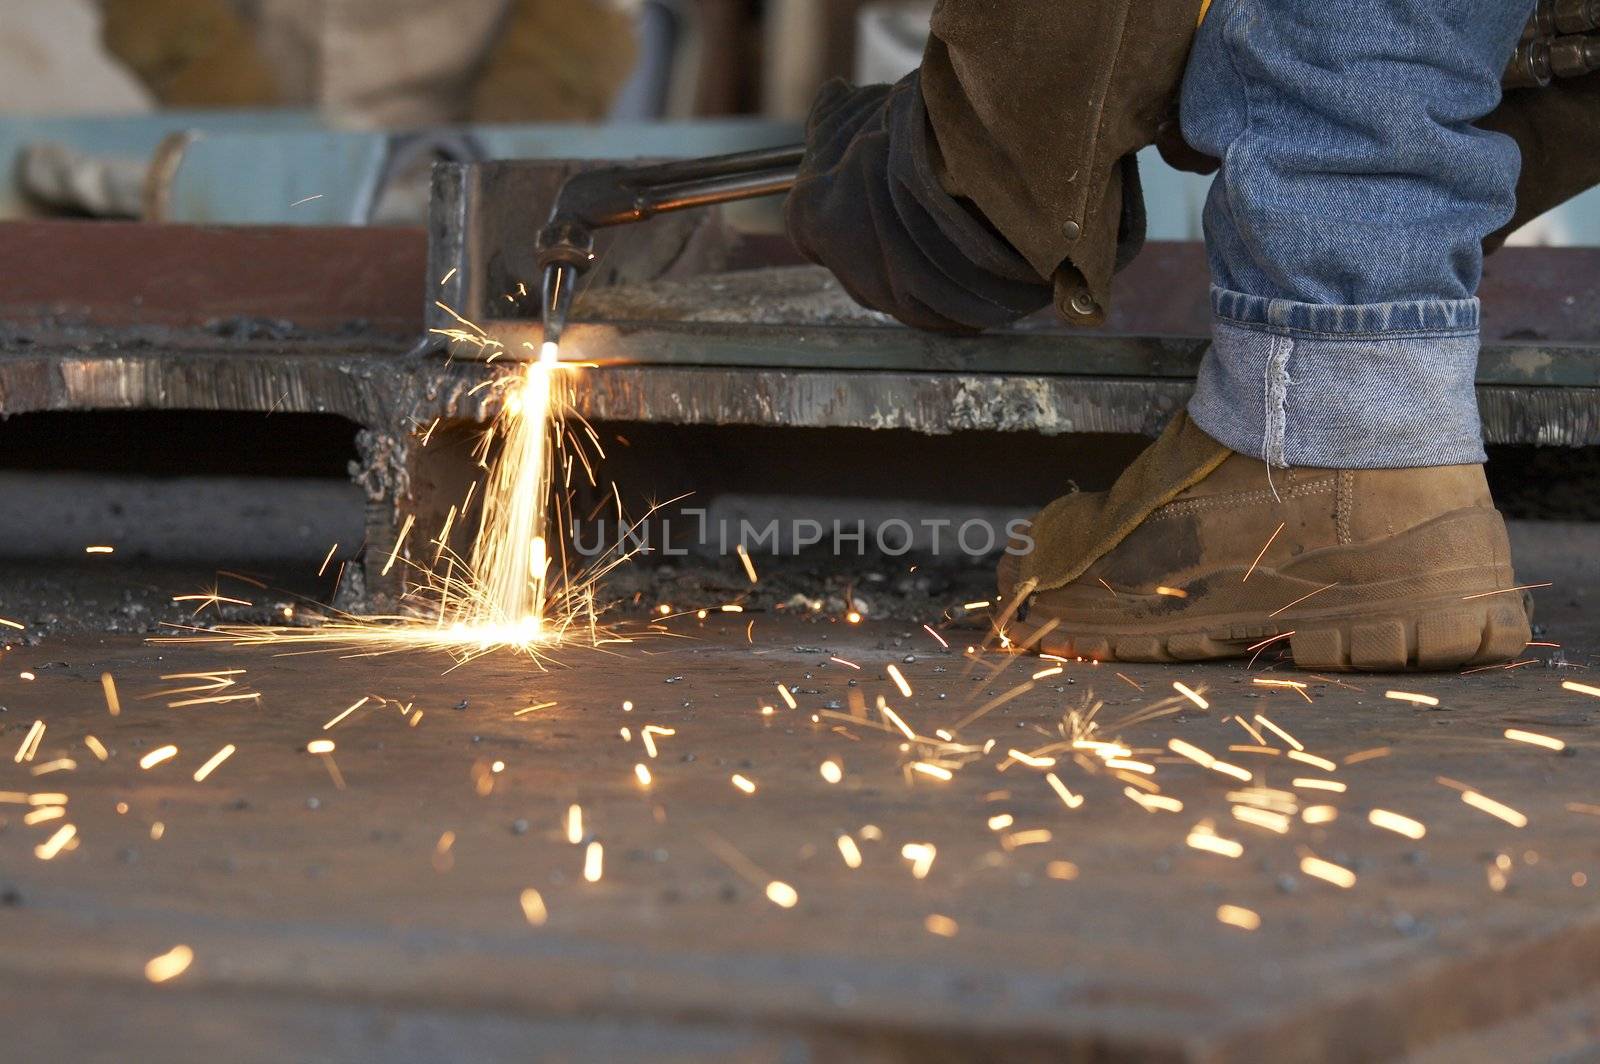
30 743
593 862
921 855
1192 752
1001 821
849 851
1309 783
1313 760
346 712
942 926
1262 553
574 824
1328 872
216 759
1210 842
642 774
1400 825
533 907
782 894
169 965
894 718
1192 695
1580 688
1262 818
1319 814
157 756
1495 809
743 783
60 764
96 747
1279 732
1412 697
1549 742
1153 803
99 550
108 685
1237 915
1504 591
744 558
831 771
788 699
1068 799
48 849
1030 760
899 680
1302 598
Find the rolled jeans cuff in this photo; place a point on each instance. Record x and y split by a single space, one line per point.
1367 386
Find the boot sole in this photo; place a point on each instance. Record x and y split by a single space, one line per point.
1441 633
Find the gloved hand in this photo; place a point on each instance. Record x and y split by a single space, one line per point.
868 205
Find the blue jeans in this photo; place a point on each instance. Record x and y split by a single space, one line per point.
1344 229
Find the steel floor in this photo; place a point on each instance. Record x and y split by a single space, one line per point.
383 920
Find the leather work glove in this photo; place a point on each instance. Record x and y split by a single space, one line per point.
868 205
188 53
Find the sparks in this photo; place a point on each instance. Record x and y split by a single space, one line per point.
1263 552
849 851
157 756
831 771
1328 872
782 894
1549 742
211 764
744 558
169 965
1313 760
533 908
744 783
1412 697
1237 915
48 849
1495 809
346 712
1400 825
899 680
1192 695
593 862
108 685
30 743
1213 843
921 855
942 926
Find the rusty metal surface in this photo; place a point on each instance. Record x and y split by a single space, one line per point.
131 274
327 916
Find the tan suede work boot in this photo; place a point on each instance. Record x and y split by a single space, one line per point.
1379 569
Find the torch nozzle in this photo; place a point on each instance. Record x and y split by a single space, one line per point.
560 281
